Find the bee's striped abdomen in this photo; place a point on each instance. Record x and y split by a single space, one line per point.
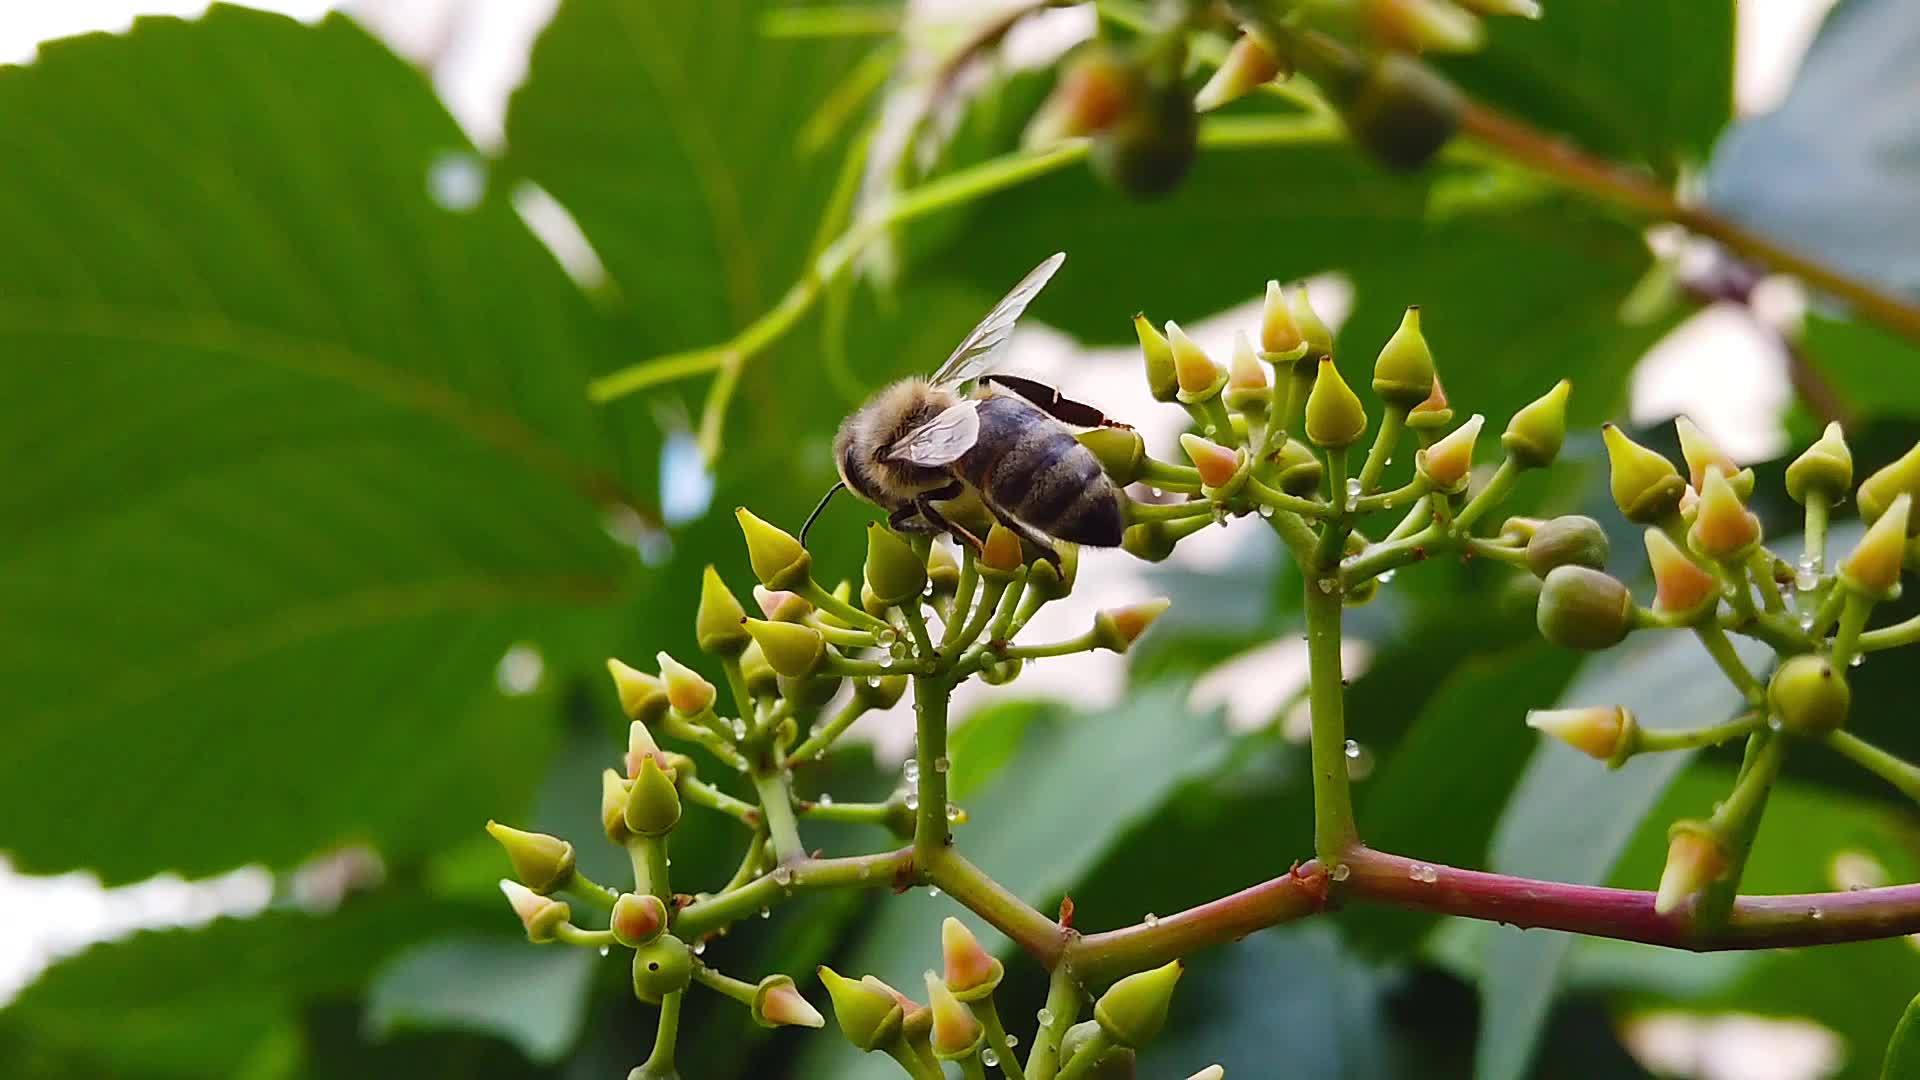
1031 465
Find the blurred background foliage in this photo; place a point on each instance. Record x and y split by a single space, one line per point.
310 540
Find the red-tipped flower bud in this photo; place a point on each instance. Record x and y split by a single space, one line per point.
1249 63
640 744
653 802
1198 376
777 1002
780 605
637 919
956 1031
1001 553
1433 414
1701 454
540 915
1723 527
1873 568
542 863
1217 464
1095 90
1246 380
1682 589
687 691
969 970
1119 628
1447 463
1696 857
1280 340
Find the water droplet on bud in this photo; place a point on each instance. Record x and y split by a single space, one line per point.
699 948
1805 579
1353 749
1045 1017
606 950
1385 576
766 913
1858 659
1012 1040
1806 620
913 801
1327 585
1775 723
1151 919
989 1058
933 891
1353 487
783 875
825 799
886 660
953 812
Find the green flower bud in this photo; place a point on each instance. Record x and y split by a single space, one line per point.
1646 487
809 693
1420 26
1701 453
869 1017
1433 413
660 967
1335 417
1280 340
653 802
1133 1010
1447 463
688 692
1148 149
1682 589
1873 568
1601 732
1050 582
792 649
1879 490
1312 329
956 1033
1296 469
1582 608
778 559
943 570
1809 696
613 807
1519 530
717 627
871 603
777 1002
1154 540
1119 628
1570 540
759 675
1115 1063
539 915
1120 451
1163 380
1246 391
1218 465
542 863
881 693
1534 436
1696 858
642 697
1399 110
1249 63
1002 672
637 919
1825 467
1403 373
1723 528
969 971
895 572
1198 376
1001 554
781 606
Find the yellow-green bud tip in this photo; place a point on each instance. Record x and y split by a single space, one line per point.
1122 452
1001 551
642 697
716 626
1695 859
613 807
777 1002
1723 527
1313 332
1163 380
1646 487
1535 433
778 559
792 649
895 571
1249 63
1403 372
538 914
1878 491
637 919
1873 568
1335 417
1296 469
1598 732
1279 337
687 691
653 802
1417 26
967 966
1216 463
956 1031
869 1017
1245 373
1809 696
1681 588
543 863
1825 468
1700 453
1119 628
1198 376
1133 1010
1446 463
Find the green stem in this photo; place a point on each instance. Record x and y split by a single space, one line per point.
1137 511
725 985
659 1064
1387 500
1088 1056
989 1015
1488 497
590 892
1084 643
776 802
1827 612
917 625
569 934
880 870
1418 515
1653 741
1718 647
1025 926
1737 820
818 742
930 835
902 1051
1813 545
972 1069
1333 537
1891 637
1167 476
1481 548
854 813
1063 1010
1853 619
1333 824
977 620
962 599
843 637
648 854
1393 422
1393 554
750 862
1760 569
840 609
701 793
1312 509
1901 774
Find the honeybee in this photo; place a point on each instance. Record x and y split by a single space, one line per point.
922 442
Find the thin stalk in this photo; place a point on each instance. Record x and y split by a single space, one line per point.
1294 895
725 985
1062 1011
930 834
569 934
1393 422
1018 920
1312 509
1333 537
1087 1056
855 813
989 1016
1901 774
1906 632
990 595
1083 643
701 793
776 802
583 888
1333 824
1481 548
880 870
648 855
751 862
1813 546
840 609
1393 554
1417 518
972 1069
962 599
818 742
1738 820
1496 490
1718 647
1654 742
1853 619
1138 511
843 637
1387 500
917 625
659 1064
1760 569
1167 476
911 1061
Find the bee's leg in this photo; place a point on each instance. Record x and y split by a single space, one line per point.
911 519
1023 531
923 504
1064 409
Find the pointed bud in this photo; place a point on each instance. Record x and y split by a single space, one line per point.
759 675
637 919
1155 540
871 603
1447 463
869 1017
1879 490
956 1031
640 745
1120 451
780 605
1403 373
538 914
1417 26
1133 1010
1809 696
1121 627
613 807
1001 552
778 559
716 627
1297 470
969 970
1050 582
895 571
1701 454
1198 376
1695 859
1873 568
642 697
881 693
1280 339
1096 88
1217 464
687 691
1211 1072
943 570
1683 590
1249 63
1163 378
1603 732
1335 417
1723 527
1569 540
660 967
1535 434
1312 329
1433 414
653 803
1580 608
1246 380
543 863
792 649
777 1002
810 693
1646 487
907 1004
1825 467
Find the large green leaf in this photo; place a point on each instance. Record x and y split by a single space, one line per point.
308 453
533 997
1903 1049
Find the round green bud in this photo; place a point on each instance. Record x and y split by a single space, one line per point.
1582 608
761 681
1120 451
1403 373
1570 540
1050 582
880 692
716 628
1001 672
1809 696
637 919
1826 467
1296 470
811 692
660 967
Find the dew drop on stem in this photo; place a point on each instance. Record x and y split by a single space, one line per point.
989 1058
825 799
1353 487
1045 1017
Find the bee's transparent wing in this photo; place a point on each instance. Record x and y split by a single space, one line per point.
982 346
941 440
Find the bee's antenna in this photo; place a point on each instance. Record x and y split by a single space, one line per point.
836 489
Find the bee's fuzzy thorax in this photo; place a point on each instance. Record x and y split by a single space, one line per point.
888 416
